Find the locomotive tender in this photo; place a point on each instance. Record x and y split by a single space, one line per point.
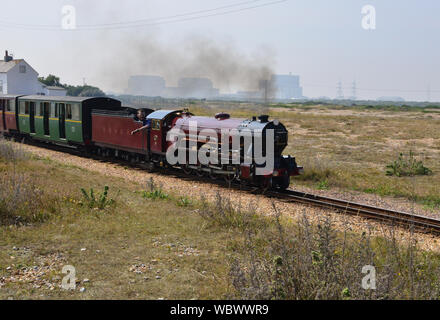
103 126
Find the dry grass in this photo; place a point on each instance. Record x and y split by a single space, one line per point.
137 248
149 244
21 201
284 260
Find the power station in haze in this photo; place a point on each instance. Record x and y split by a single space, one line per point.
280 87
154 86
146 86
286 87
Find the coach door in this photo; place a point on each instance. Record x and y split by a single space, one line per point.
62 117
6 107
2 115
32 116
46 114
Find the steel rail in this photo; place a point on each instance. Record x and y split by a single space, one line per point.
420 223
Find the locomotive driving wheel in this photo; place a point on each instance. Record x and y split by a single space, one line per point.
284 182
186 170
229 178
266 184
212 175
151 166
199 173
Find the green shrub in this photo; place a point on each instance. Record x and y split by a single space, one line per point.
430 201
100 201
184 202
155 194
323 185
346 293
154 191
407 166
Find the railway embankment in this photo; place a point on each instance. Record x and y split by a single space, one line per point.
152 236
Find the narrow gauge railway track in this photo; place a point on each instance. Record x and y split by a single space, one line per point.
418 223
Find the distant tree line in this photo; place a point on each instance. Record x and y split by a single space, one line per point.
76 91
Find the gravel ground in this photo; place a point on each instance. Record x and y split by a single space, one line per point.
37 275
264 205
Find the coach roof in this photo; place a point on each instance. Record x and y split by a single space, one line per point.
9 96
65 98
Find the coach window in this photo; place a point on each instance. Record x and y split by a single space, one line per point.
21 107
54 110
11 105
8 105
69 111
75 112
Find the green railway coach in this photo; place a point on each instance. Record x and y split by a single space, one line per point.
62 120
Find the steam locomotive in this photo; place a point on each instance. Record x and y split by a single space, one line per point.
103 126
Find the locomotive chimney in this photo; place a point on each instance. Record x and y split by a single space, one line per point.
7 56
263 118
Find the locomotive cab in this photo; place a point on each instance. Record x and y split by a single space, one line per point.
160 125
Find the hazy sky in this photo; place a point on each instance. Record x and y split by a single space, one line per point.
320 40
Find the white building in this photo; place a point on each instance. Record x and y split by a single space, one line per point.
286 86
18 77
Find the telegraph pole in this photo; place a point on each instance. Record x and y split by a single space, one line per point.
339 93
353 90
